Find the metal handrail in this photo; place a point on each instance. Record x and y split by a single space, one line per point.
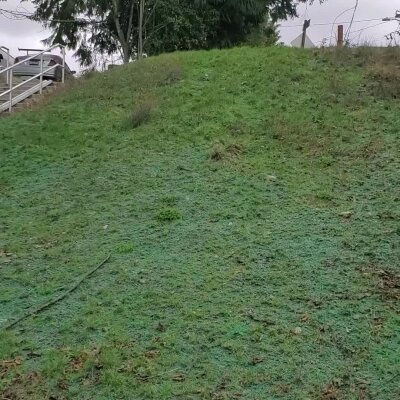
35 55
30 79
10 69
28 50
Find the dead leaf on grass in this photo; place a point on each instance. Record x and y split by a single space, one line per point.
257 360
363 394
254 317
22 386
77 362
377 322
315 302
361 381
304 318
161 327
33 354
152 353
46 244
346 214
178 377
143 377
62 385
6 365
5 257
322 329
297 330
389 284
282 388
330 392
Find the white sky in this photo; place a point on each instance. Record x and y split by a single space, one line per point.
328 11
14 34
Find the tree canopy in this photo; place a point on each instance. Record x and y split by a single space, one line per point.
131 26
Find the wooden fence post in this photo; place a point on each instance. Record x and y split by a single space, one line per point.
340 40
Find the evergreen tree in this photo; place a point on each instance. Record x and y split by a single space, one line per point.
154 26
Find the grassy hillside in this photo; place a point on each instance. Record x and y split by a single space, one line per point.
249 200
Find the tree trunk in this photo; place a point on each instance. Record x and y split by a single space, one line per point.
126 53
124 41
140 28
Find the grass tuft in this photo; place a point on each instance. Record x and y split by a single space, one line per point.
168 214
221 152
124 248
237 128
140 115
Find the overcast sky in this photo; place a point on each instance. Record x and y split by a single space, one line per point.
372 32
14 34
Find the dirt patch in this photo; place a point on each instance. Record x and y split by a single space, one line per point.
330 392
383 80
371 149
342 389
389 285
385 282
222 391
77 362
25 387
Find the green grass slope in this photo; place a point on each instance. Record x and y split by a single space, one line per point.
250 203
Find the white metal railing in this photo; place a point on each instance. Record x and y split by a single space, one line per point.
9 71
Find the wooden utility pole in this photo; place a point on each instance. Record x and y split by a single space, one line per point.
306 25
340 40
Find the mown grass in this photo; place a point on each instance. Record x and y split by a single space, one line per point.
252 220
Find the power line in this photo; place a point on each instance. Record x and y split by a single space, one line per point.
347 22
330 23
305 14
19 16
360 31
15 14
352 19
391 36
336 18
368 27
